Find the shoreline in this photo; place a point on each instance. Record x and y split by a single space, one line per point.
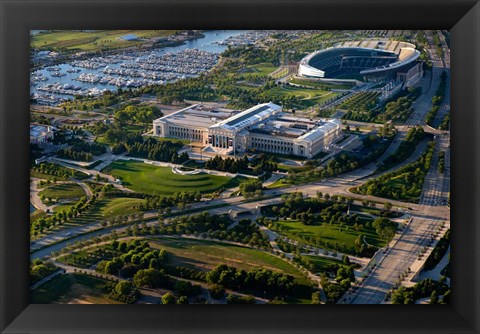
145 46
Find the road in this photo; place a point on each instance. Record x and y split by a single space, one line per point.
418 234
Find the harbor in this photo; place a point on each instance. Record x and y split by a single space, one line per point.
128 69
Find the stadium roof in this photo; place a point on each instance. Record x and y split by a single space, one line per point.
405 52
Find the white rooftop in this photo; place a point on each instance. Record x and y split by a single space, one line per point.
320 131
250 116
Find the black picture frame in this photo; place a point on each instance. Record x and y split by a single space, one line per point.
461 17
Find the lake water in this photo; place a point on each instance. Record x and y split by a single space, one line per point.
208 43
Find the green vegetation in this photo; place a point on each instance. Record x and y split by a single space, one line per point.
151 179
64 217
321 264
72 288
330 236
403 184
261 163
399 110
40 269
140 114
62 191
50 171
81 151
119 206
52 290
404 150
263 282
321 85
203 255
437 100
232 299
215 226
304 97
262 69
359 106
374 146
422 289
97 40
363 107
445 125
441 162
438 252
251 189
335 290
322 223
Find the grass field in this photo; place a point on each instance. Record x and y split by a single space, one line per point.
261 69
309 97
320 263
72 289
150 179
321 85
91 40
111 207
206 255
63 207
296 230
63 191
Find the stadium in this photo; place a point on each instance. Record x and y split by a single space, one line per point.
368 60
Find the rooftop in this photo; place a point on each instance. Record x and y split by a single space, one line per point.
37 130
197 116
250 116
289 126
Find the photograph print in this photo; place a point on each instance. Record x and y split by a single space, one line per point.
239 166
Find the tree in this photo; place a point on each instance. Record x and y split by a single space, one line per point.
124 288
149 278
434 297
217 291
387 206
250 188
182 300
168 298
316 297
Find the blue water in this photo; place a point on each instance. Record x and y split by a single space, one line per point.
32 208
205 44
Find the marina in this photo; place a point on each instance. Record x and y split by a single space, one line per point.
128 69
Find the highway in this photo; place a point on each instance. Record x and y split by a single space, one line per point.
419 232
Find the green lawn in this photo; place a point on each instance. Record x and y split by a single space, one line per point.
296 230
63 207
91 41
119 206
321 85
262 68
310 97
151 179
206 255
320 263
63 191
72 289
